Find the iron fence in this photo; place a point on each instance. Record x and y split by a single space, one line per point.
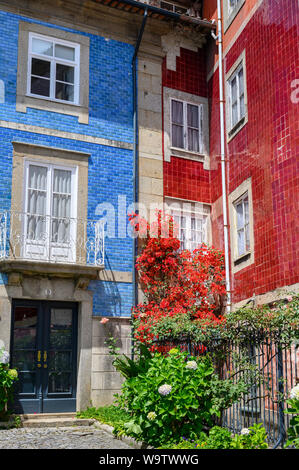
266 365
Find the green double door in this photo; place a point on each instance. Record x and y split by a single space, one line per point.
44 351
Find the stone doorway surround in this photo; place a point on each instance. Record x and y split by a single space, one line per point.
20 286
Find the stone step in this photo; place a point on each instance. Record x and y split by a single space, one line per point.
53 420
47 415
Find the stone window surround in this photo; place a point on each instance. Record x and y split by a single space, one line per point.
34 153
247 259
168 94
24 101
229 18
230 133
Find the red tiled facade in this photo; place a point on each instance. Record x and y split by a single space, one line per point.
265 149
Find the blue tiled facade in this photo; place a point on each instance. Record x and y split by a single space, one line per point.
110 168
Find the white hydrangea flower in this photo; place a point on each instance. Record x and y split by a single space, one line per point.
245 431
294 393
165 389
4 357
151 416
191 365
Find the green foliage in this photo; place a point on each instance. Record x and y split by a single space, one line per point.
110 415
280 321
293 430
176 394
221 438
7 378
126 366
255 437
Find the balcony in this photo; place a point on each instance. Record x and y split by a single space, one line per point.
56 246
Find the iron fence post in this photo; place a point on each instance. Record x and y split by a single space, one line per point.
280 378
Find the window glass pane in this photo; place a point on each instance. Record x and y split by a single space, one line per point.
40 86
37 177
240 215
233 85
62 181
177 136
59 382
61 206
36 202
234 114
25 321
64 52
41 68
242 106
241 242
26 382
241 81
40 46
193 140
64 73
177 112
64 92
192 115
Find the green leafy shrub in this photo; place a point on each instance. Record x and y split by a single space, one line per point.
293 409
221 438
7 378
176 395
126 366
254 437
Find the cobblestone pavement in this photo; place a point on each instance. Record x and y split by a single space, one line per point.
72 437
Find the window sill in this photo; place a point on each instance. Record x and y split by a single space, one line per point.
242 258
237 127
46 104
183 153
53 100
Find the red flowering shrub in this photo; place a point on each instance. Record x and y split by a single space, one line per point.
180 285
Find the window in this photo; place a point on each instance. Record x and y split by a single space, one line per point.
50 210
53 69
230 10
242 226
191 222
236 97
186 126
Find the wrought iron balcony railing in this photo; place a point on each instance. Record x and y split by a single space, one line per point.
26 236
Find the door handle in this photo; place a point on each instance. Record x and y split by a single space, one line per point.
39 353
45 359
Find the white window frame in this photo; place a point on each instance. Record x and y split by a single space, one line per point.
245 224
53 250
240 261
170 94
53 61
186 127
229 12
233 129
189 210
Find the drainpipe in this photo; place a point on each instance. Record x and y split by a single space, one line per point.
136 160
223 160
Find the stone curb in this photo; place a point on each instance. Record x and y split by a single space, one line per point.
128 440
